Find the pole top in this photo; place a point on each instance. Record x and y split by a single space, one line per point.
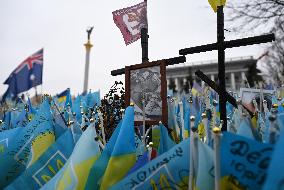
216 130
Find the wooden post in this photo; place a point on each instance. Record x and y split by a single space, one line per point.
144 44
221 66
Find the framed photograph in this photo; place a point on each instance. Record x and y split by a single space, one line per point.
248 94
147 81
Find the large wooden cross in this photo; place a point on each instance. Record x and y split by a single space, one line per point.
221 45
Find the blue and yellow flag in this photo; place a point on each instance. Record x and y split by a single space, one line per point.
22 146
99 168
123 156
75 172
62 96
48 164
168 171
244 162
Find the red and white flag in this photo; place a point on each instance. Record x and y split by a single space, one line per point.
130 20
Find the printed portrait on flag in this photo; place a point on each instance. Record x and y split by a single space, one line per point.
148 82
130 20
248 95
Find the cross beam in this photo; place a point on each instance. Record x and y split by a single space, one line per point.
221 45
170 61
215 87
229 44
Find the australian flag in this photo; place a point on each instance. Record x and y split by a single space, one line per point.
27 75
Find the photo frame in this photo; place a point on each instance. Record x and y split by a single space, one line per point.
148 81
248 94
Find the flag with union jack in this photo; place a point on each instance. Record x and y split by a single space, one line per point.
27 75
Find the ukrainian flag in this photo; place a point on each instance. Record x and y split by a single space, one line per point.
75 172
123 156
62 96
100 166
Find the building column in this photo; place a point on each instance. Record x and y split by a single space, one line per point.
177 84
244 76
212 77
233 83
202 84
168 83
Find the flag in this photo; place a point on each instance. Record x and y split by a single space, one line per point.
244 162
27 75
98 169
245 129
24 145
123 156
48 164
215 3
144 159
275 175
130 20
92 99
62 96
168 171
205 168
166 143
75 172
196 89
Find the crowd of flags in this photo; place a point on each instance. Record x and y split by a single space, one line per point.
59 145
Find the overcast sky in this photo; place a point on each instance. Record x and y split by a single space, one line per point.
59 26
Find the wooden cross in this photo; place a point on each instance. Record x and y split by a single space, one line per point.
221 45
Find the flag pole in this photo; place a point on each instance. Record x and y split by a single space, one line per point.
144 119
217 131
191 164
144 44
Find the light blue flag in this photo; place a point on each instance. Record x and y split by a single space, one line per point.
59 125
31 108
171 114
267 126
140 148
244 162
24 145
166 143
75 172
48 164
205 168
245 129
275 175
77 109
178 121
21 120
93 99
14 118
168 171
7 120
187 122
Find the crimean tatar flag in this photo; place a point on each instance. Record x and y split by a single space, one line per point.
130 20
